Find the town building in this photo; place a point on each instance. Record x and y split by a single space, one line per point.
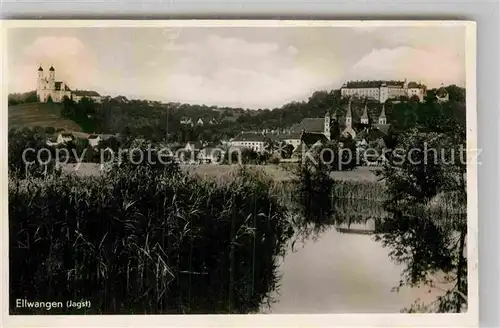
186 121
193 146
383 90
78 95
210 155
255 141
48 89
442 94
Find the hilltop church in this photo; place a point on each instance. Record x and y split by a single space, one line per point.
48 88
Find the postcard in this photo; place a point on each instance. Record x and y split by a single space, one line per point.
300 173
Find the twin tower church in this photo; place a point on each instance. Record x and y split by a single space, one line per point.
333 127
48 89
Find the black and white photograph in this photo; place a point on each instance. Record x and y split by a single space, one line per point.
266 168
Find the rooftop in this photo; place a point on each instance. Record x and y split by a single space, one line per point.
250 136
86 93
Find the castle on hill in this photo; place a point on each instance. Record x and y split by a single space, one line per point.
48 88
383 90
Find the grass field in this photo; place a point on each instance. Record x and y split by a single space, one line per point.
39 114
361 174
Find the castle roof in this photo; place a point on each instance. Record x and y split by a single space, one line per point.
412 85
373 84
51 68
40 69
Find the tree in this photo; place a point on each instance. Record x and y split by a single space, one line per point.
286 151
428 243
50 130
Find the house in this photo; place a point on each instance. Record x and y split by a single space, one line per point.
78 95
255 141
210 155
94 140
442 94
213 121
193 146
199 122
51 142
64 137
186 121
308 142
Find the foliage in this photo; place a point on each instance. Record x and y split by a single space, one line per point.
428 245
22 98
81 112
29 156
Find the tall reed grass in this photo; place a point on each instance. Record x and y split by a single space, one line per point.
145 240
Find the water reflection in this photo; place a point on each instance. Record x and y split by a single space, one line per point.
335 265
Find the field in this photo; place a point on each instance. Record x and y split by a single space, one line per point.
361 174
39 114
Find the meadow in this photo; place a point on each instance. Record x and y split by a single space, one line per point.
29 115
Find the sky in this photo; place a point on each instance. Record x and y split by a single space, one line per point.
248 67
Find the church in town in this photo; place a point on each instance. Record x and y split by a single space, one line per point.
49 89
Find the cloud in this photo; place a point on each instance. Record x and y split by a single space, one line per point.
234 72
430 67
250 68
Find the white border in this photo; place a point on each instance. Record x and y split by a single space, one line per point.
265 320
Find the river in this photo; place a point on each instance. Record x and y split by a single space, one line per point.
342 273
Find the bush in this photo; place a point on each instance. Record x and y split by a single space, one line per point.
50 130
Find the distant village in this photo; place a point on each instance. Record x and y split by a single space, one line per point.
310 132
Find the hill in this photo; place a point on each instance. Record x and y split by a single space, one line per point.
39 114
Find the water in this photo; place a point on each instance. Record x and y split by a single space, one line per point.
342 273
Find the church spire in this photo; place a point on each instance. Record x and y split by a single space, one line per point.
348 116
382 119
364 117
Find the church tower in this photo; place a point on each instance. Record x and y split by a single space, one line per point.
364 117
39 84
382 119
348 116
52 78
326 126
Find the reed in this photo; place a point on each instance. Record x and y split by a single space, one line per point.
146 240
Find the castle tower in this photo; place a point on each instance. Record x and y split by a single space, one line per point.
382 119
348 116
326 126
364 117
